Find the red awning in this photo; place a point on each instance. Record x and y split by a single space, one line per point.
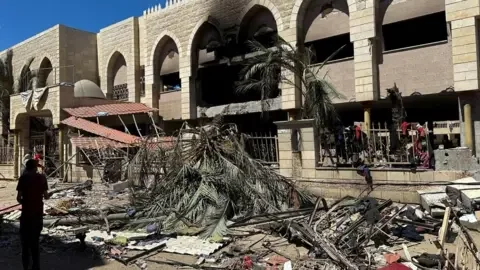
96 143
109 109
100 130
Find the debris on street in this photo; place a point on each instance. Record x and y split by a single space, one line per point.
207 199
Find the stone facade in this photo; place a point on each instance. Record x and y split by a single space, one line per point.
136 39
425 69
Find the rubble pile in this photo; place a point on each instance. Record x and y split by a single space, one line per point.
350 233
205 199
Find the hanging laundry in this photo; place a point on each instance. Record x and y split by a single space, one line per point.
25 97
37 96
358 132
404 127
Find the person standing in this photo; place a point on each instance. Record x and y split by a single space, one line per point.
32 188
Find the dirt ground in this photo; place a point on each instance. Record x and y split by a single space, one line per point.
69 257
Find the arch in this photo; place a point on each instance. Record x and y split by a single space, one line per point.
256 16
206 19
45 76
162 35
24 78
166 64
266 4
117 75
301 22
203 30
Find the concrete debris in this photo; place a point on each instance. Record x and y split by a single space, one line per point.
191 245
273 104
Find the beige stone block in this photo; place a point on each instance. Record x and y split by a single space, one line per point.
464 67
460 6
363 65
362 58
362 35
464 49
379 175
463 23
364 72
286 164
361 43
466 85
460 41
324 174
463 31
362 13
397 176
284 146
462 14
464 58
308 155
309 164
286 172
363 80
308 173
447 2
444 176
285 155
395 196
343 174
422 177
308 146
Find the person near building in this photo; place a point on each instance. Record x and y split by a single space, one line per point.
32 188
39 158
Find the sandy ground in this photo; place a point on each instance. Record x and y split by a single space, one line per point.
69 257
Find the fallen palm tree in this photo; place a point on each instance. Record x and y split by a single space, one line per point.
207 178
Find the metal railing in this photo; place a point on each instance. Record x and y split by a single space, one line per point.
263 147
380 145
120 92
6 155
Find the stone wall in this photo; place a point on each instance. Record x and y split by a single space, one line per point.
79 55
115 40
44 44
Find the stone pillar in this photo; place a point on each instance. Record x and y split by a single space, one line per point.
366 118
467 118
285 151
363 36
462 16
291 94
16 154
61 150
309 160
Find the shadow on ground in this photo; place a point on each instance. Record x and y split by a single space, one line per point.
54 254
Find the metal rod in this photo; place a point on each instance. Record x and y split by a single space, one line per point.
123 123
136 125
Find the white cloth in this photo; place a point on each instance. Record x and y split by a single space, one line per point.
37 95
25 96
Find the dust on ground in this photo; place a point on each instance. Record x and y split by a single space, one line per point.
68 256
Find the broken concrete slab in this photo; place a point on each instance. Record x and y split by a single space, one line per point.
273 104
431 197
119 186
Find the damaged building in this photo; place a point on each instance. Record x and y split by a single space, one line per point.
179 63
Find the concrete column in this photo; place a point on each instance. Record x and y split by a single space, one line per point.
366 118
285 152
462 16
16 154
363 36
291 94
308 160
61 152
467 118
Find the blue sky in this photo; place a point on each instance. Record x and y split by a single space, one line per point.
24 18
